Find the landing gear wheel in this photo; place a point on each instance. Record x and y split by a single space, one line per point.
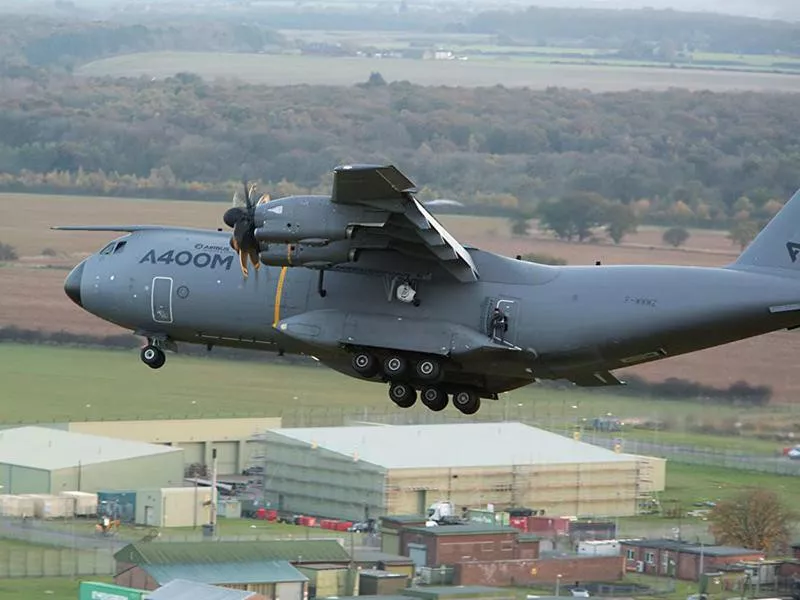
153 356
467 402
395 366
365 364
403 395
433 398
428 369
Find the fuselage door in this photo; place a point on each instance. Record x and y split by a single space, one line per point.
509 307
162 299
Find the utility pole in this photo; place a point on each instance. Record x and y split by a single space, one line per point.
213 511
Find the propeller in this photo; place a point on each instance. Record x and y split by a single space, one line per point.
242 220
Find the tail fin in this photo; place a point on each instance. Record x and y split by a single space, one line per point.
777 246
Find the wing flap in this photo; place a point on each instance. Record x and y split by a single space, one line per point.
596 379
355 184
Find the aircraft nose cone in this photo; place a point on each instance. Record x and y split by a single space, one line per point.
72 286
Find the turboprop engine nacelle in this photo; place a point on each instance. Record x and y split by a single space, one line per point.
302 255
298 218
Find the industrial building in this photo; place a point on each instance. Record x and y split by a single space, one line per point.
371 471
264 567
235 440
43 460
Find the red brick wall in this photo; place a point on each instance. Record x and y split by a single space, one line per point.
688 564
521 572
451 549
527 549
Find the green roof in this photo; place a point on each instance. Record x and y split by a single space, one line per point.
277 571
209 552
405 518
471 529
369 555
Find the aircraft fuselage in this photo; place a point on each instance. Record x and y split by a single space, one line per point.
563 322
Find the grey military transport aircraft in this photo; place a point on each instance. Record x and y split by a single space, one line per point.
369 283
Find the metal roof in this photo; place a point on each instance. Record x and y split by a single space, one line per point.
467 529
691 547
368 555
276 571
211 552
181 589
452 445
52 449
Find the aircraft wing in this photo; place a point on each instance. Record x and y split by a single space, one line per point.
410 228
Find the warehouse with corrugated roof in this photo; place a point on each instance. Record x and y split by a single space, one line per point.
371 471
41 460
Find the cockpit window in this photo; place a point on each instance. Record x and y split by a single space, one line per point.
108 249
120 246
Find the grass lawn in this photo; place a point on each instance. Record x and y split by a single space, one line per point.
54 588
49 383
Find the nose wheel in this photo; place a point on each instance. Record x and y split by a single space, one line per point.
153 356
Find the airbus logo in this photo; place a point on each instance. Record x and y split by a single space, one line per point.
794 250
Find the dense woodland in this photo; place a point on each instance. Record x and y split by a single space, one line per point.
677 157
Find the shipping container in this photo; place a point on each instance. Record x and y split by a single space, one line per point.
488 517
85 503
599 548
117 505
230 509
174 507
16 506
47 506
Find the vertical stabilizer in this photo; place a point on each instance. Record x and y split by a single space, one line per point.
778 244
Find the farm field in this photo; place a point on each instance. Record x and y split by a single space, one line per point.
33 296
277 69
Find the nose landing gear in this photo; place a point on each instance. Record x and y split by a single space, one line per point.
153 356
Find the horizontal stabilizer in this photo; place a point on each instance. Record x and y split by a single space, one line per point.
596 379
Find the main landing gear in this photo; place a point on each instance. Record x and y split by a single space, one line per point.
153 356
410 378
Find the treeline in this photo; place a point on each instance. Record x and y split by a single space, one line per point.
599 28
28 42
677 157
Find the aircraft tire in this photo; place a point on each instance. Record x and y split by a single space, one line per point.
395 366
365 364
428 369
153 356
402 394
467 402
433 398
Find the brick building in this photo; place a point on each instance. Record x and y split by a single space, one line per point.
451 544
567 569
681 560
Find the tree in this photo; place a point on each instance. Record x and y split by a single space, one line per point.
675 236
743 232
519 225
756 519
574 215
7 252
621 220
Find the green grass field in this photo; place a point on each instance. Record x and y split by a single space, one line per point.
277 69
48 383
54 588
